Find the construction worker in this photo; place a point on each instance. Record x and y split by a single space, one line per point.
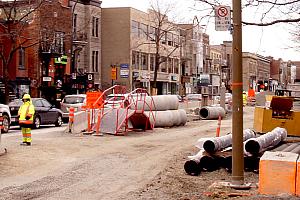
244 98
26 112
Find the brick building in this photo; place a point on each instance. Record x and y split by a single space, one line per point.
43 52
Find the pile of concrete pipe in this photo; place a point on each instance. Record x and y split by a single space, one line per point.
255 146
212 112
214 153
165 109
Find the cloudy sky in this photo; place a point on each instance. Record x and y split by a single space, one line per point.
268 41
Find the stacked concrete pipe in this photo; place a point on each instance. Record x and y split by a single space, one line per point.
165 108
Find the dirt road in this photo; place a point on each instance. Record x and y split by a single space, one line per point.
64 166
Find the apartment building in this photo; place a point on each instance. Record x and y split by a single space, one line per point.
86 50
191 56
225 63
45 45
256 71
215 69
129 50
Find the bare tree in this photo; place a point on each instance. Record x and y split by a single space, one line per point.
264 13
15 16
160 27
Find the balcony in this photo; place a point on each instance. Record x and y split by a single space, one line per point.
79 37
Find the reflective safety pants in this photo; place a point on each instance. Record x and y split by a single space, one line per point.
26 134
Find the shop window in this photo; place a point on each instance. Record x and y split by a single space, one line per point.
144 61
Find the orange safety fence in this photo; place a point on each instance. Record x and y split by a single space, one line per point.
135 101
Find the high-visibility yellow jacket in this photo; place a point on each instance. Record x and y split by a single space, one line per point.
27 109
244 99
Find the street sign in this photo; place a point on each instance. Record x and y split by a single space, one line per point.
47 79
124 70
113 73
222 18
90 77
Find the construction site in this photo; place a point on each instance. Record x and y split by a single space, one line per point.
155 147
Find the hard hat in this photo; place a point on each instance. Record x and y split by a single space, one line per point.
26 96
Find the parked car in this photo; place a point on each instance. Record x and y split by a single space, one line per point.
75 100
4 109
193 97
45 113
228 98
114 100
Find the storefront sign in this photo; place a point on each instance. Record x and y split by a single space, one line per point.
61 60
46 79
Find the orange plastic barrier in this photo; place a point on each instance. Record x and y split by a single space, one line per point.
219 126
91 98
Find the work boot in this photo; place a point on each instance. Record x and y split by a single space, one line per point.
28 143
23 143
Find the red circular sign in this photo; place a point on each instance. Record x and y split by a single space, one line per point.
222 11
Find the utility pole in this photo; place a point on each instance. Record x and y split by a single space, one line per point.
237 87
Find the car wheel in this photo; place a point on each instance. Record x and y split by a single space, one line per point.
5 124
37 122
59 121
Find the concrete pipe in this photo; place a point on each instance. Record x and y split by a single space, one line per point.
211 112
192 166
268 140
164 119
251 163
183 117
209 163
159 103
218 143
169 118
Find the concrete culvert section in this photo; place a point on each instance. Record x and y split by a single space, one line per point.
211 112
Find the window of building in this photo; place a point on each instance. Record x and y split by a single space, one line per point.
176 66
59 42
134 28
135 60
152 33
163 65
152 62
170 65
95 27
144 31
144 61
170 39
74 23
164 37
22 58
176 40
95 60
